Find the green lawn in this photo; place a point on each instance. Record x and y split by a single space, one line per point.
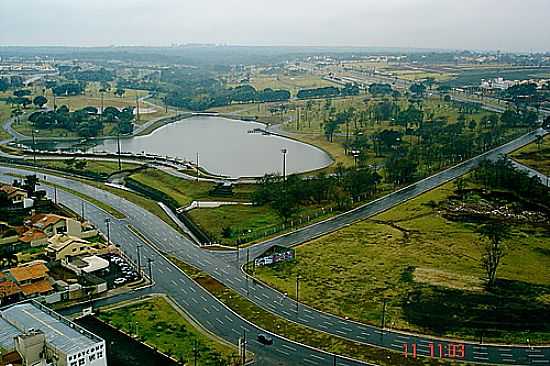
428 269
158 324
102 168
186 191
5 113
238 217
532 156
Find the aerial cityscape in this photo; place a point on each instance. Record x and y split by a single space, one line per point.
253 183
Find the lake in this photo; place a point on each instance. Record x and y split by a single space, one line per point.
225 147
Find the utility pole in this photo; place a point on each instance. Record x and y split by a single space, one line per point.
82 209
195 351
137 107
297 292
284 151
55 195
118 144
384 314
101 115
198 171
149 260
34 150
108 223
165 105
138 247
243 348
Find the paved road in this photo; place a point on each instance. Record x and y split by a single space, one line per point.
227 271
544 179
197 302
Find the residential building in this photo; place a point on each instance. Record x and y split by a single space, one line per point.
52 224
62 246
41 336
32 279
9 291
34 237
15 194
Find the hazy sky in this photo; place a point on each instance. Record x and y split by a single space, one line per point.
518 25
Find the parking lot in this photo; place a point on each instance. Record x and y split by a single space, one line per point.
120 271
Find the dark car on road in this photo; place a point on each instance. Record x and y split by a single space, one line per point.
265 339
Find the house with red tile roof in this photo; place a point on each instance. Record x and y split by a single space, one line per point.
32 279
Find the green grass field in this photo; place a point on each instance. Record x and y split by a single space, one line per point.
158 324
104 168
532 156
186 191
428 269
5 113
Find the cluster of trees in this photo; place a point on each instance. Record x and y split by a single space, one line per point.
12 82
69 89
91 75
417 142
328 92
381 90
502 174
222 97
341 188
86 122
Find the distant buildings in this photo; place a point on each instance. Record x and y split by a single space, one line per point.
32 334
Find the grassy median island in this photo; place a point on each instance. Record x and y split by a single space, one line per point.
186 191
89 167
423 257
535 156
157 323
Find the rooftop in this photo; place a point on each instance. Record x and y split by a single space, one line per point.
36 288
60 333
60 241
32 234
90 264
29 272
42 221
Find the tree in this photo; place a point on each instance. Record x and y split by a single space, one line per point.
418 89
119 92
493 248
80 164
40 101
22 93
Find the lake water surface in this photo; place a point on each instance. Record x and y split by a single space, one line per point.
225 147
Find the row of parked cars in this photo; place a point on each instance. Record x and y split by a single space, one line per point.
123 271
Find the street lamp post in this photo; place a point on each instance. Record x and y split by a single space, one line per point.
118 144
108 223
284 151
297 292
150 261
34 149
138 247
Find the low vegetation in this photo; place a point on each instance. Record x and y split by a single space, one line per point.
157 323
535 155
